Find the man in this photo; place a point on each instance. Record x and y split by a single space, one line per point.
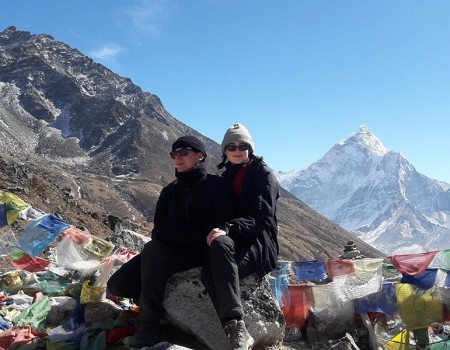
186 211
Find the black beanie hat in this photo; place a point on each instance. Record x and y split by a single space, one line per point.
190 141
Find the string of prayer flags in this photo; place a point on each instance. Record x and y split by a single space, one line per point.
412 264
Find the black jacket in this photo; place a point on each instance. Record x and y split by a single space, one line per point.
255 225
189 208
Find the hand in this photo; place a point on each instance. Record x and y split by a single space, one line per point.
215 232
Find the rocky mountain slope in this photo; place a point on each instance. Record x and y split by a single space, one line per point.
79 140
376 194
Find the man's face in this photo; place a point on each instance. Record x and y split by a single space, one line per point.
185 163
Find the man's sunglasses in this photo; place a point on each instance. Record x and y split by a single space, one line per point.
182 152
232 147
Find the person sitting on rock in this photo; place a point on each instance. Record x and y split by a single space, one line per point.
247 244
186 211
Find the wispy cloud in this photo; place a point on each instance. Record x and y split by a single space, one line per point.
148 15
106 52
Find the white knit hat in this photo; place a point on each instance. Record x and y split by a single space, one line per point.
237 132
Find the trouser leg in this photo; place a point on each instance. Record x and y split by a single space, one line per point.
126 281
158 262
221 276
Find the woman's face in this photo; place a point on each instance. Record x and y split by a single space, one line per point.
237 152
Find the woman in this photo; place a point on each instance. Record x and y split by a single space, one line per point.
247 244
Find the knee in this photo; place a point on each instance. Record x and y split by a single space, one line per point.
151 249
222 244
114 285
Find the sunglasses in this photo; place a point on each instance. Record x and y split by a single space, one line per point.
232 147
181 152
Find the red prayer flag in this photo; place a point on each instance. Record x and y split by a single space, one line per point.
28 263
412 264
76 235
339 267
297 310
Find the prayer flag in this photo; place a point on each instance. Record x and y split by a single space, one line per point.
384 301
417 308
310 271
428 279
39 234
13 206
365 279
300 303
412 264
339 267
28 263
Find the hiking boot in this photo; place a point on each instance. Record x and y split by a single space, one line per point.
239 337
145 337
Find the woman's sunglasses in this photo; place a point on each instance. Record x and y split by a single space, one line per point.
232 147
182 152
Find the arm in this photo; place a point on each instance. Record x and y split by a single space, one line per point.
166 226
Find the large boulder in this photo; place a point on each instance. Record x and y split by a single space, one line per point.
189 307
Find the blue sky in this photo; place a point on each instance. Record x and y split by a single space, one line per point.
300 74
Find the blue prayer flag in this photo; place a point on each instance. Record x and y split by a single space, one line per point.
39 234
427 279
310 271
384 301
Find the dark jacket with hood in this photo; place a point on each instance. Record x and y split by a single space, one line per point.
189 208
255 225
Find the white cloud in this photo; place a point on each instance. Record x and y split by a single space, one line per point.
148 15
106 52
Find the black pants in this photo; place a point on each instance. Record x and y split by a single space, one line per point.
146 275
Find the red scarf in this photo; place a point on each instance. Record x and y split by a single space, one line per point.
239 179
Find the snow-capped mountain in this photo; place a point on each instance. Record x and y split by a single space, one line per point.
377 194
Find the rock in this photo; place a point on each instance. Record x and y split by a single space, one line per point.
189 307
116 224
168 346
104 311
129 239
345 343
